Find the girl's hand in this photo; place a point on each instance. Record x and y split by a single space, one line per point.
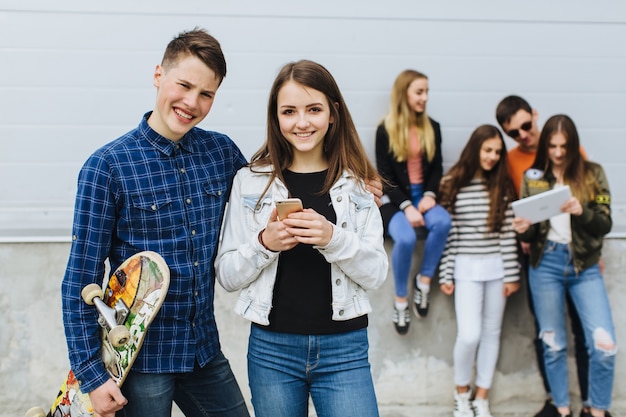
310 227
414 216
447 289
572 206
510 288
520 224
425 204
275 236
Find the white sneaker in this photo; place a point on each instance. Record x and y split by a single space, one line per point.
481 407
420 300
401 319
462 407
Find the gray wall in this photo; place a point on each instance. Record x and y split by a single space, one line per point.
414 370
76 74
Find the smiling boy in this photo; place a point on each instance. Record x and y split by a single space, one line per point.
160 187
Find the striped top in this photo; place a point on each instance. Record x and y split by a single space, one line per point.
469 235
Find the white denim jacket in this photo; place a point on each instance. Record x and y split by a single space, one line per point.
356 253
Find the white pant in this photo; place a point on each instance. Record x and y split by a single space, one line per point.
479 307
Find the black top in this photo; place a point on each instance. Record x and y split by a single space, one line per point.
302 293
397 174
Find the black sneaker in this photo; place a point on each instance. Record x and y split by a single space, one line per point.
548 410
420 301
401 320
587 413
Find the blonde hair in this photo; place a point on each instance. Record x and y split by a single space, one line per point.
400 118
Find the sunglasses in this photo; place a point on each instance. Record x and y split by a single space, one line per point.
525 127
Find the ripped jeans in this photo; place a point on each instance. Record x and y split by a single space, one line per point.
549 283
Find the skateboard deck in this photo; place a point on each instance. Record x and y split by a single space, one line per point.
133 296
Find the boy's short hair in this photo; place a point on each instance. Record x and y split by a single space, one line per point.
510 105
198 43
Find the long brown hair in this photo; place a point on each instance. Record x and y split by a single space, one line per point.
342 146
499 184
580 179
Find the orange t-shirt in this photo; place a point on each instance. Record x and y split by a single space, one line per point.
519 161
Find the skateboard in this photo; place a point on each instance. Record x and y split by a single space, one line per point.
126 307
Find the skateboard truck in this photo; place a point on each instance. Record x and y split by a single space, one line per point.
111 318
141 283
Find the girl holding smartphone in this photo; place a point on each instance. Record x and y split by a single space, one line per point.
304 277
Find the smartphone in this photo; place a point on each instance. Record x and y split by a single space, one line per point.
288 206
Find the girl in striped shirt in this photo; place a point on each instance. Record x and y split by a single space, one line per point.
479 264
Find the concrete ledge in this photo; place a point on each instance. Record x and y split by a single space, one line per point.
412 373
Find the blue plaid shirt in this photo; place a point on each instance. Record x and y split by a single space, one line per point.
145 192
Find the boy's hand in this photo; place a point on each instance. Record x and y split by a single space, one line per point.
107 399
375 187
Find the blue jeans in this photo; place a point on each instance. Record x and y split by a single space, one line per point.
208 391
437 222
284 368
550 281
580 351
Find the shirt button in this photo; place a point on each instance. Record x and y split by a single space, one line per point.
219 192
153 207
193 232
195 293
195 263
182 170
74 237
188 201
339 198
338 282
341 312
344 225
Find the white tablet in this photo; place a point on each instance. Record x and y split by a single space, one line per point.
542 206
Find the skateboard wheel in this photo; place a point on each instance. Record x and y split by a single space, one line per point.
35 412
90 292
119 336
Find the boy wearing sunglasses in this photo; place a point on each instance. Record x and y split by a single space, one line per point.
519 121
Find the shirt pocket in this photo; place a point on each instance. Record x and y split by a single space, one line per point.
359 211
256 212
154 211
214 196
